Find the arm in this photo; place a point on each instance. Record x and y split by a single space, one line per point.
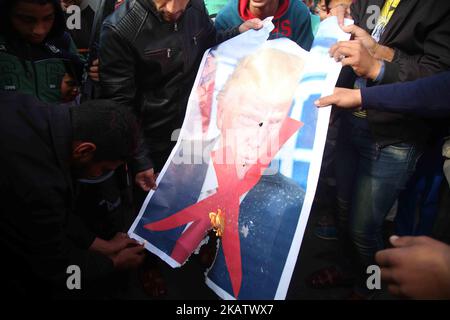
427 97
225 29
435 57
232 32
118 83
117 68
221 30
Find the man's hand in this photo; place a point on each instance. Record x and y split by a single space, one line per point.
94 71
121 241
376 50
341 11
113 246
417 267
342 98
146 180
353 53
129 258
255 24
362 35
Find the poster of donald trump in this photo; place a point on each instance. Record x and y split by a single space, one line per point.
246 162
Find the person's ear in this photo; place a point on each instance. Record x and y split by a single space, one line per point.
83 151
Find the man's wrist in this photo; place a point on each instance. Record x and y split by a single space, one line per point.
378 71
373 50
100 245
382 52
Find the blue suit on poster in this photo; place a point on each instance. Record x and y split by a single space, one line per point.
268 220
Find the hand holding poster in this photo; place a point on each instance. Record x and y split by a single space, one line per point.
246 162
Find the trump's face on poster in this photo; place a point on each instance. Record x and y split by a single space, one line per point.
252 106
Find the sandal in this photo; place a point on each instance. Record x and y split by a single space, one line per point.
330 277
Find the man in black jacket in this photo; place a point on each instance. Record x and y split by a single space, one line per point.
377 150
150 51
42 146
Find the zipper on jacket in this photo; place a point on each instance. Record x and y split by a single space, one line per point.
34 74
169 53
35 79
175 26
23 61
197 36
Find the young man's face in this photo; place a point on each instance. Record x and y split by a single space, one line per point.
69 88
33 21
171 10
96 169
322 10
260 3
84 164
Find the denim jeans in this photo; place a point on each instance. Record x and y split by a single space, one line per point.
369 180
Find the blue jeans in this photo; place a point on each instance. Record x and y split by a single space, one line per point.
369 180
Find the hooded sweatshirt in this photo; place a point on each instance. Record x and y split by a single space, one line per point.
35 69
291 20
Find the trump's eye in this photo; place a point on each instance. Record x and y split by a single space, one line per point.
248 121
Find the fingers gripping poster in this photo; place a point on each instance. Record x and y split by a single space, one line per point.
246 162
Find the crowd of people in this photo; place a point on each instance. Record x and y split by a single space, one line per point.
88 117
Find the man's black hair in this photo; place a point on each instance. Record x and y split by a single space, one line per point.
107 124
6 6
74 67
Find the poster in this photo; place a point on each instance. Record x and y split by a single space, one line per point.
246 162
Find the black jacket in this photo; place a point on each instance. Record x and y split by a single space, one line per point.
39 235
419 32
150 65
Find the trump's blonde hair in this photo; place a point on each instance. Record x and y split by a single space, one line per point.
269 77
